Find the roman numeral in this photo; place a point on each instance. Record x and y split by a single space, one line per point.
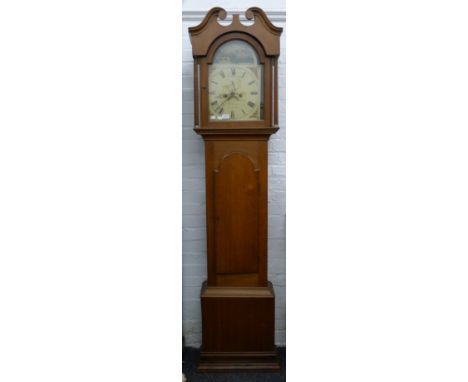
233 71
251 104
232 115
254 93
214 103
214 82
251 82
222 74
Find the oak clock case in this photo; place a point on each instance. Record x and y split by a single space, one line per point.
236 111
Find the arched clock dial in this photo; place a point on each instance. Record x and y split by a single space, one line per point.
235 92
235 83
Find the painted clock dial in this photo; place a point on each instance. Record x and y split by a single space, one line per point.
235 84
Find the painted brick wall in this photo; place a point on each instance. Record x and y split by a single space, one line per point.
193 183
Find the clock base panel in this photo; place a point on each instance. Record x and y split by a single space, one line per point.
238 329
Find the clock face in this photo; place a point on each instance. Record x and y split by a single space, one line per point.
235 84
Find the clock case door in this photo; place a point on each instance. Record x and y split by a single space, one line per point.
266 61
236 208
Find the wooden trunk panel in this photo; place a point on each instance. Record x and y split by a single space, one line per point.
236 215
236 194
237 279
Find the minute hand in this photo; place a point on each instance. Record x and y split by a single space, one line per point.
222 103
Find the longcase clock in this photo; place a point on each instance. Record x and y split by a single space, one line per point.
236 111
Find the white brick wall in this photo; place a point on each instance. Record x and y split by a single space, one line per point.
193 183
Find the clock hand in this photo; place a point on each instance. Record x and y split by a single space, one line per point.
222 103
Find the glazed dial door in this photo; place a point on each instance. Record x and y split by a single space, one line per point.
235 84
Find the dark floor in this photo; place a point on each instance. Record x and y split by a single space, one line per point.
190 357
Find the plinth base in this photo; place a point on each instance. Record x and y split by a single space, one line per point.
238 329
238 362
